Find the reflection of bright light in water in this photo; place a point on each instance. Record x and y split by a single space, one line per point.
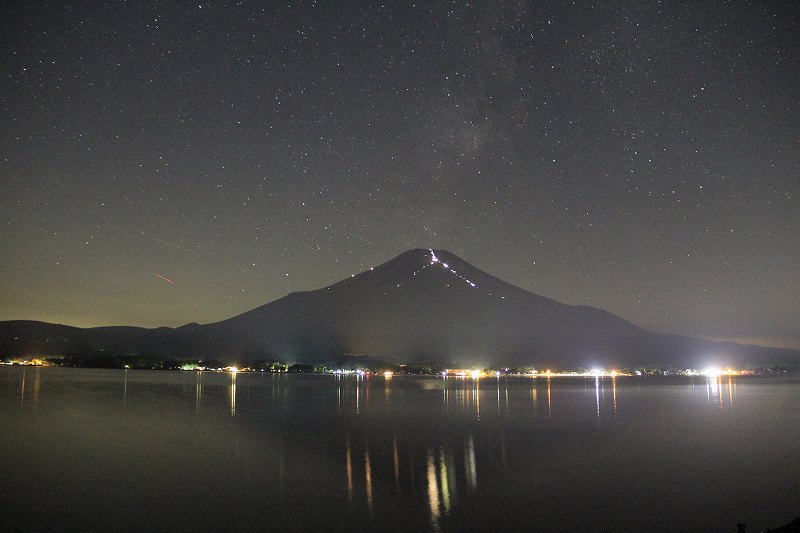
368 477
477 393
349 466
730 390
549 402
597 396
444 481
433 491
233 393
614 390
198 390
358 395
396 458
339 394
469 463
713 389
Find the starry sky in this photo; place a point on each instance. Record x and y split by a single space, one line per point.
163 163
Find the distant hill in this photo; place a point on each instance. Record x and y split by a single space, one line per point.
421 305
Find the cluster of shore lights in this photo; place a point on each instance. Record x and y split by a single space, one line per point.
476 374
27 362
714 372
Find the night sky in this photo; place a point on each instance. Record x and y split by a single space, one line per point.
167 163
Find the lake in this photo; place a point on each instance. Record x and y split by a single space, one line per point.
87 449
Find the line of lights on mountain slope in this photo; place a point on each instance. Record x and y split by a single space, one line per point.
436 261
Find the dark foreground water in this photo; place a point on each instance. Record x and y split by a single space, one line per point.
117 450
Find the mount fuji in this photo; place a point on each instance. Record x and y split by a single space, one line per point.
424 304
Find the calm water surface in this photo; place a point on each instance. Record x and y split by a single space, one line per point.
114 449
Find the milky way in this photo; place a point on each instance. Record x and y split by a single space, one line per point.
642 158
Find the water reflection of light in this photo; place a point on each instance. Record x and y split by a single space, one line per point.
713 389
597 396
730 390
349 467
549 402
396 460
433 491
125 389
368 477
717 394
614 389
338 393
233 393
358 395
469 463
198 390
444 480
22 391
477 397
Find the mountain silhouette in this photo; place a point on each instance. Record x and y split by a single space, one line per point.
422 305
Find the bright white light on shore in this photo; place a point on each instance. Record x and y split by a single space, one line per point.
712 372
475 374
234 369
388 373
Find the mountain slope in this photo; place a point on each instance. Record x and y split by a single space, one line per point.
421 305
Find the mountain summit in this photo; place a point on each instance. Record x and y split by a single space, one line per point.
424 304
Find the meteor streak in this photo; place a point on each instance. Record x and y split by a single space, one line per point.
162 277
178 246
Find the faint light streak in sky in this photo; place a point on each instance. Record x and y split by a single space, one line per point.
162 277
178 246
